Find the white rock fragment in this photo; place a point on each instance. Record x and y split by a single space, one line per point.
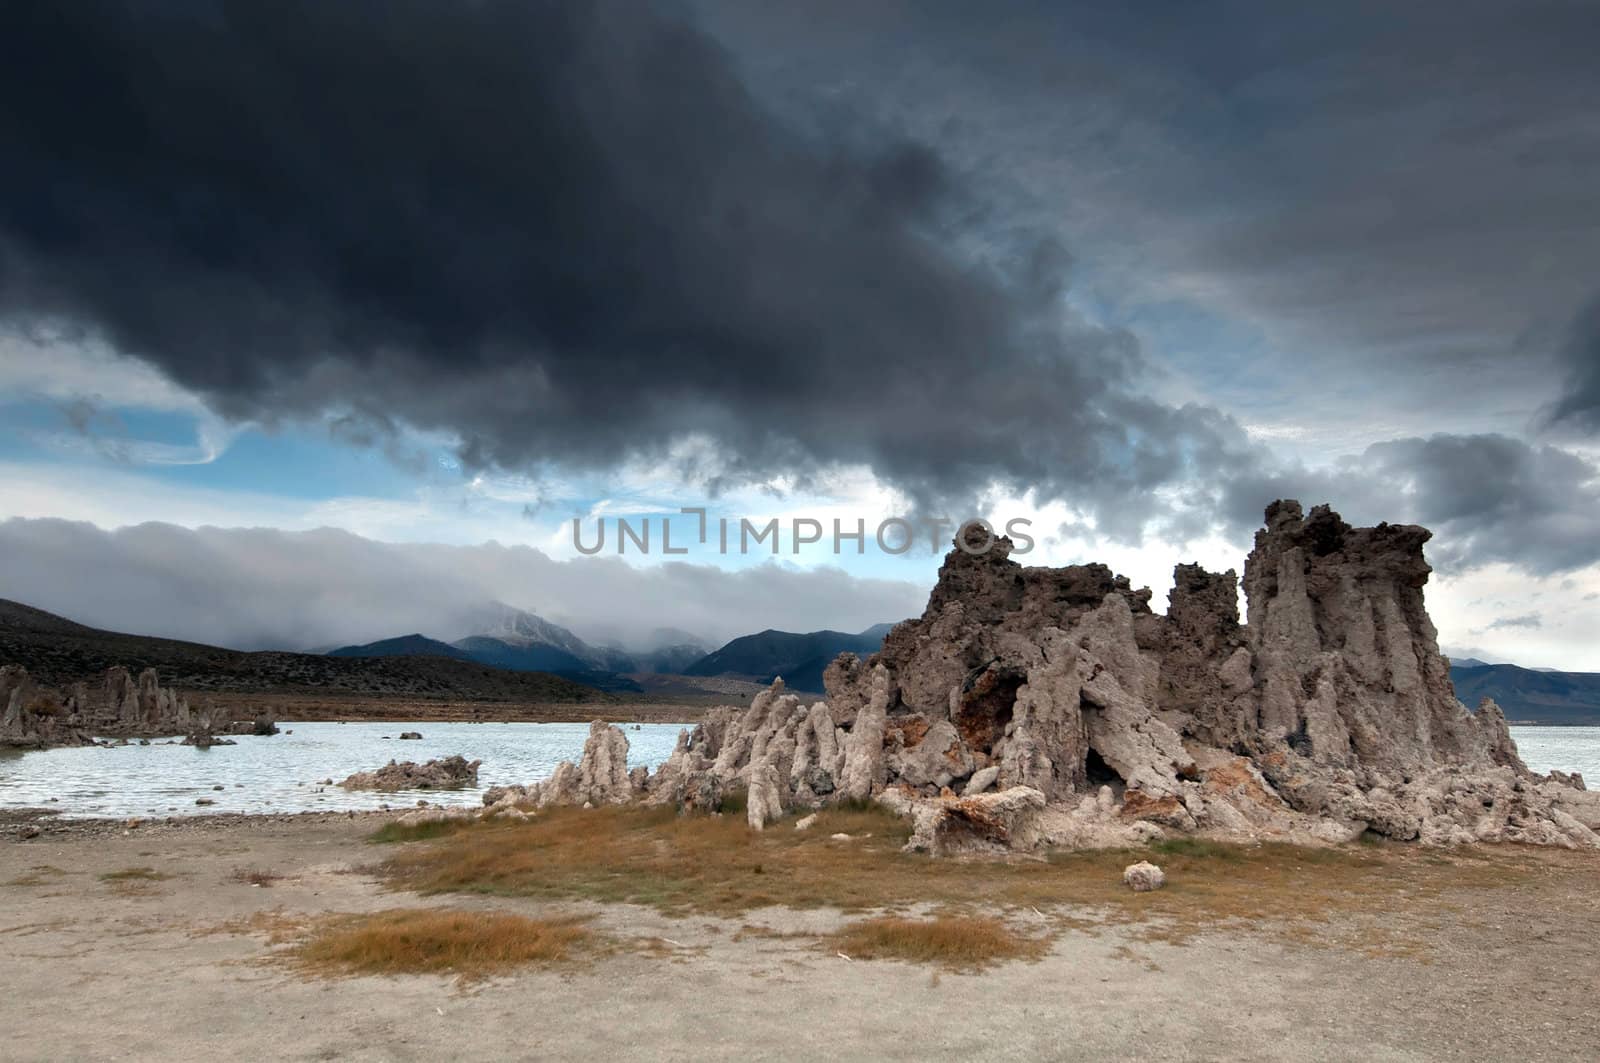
1143 877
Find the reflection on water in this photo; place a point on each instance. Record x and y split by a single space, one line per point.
282 773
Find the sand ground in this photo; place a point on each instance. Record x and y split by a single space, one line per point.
109 969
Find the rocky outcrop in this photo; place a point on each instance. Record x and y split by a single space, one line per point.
600 777
448 773
1064 711
120 707
987 823
32 717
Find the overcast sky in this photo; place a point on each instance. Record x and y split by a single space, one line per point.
457 274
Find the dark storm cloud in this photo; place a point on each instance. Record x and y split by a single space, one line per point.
568 233
1581 403
1487 498
564 232
1375 203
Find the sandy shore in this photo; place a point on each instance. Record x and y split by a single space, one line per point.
169 968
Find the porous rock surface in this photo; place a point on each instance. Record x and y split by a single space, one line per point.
1064 711
1143 877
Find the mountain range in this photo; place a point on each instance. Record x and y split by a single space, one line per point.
1530 695
517 640
520 641
57 652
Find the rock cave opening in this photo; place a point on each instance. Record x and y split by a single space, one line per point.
1098 773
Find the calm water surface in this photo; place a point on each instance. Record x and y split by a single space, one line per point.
282 773
1565 748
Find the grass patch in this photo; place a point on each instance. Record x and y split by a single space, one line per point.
1196 848
955 942
470 945
255 876
37 875
716 865
135 874
390 833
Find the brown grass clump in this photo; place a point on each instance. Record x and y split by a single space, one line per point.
470 945
255 876
955 942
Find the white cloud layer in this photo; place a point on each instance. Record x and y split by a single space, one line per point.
260 587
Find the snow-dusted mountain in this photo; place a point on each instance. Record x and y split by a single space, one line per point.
507 637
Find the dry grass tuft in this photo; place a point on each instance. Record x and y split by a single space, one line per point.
37 875
470 945
954 942
135 874
255 876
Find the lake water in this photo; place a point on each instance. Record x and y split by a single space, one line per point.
1561 748
282 773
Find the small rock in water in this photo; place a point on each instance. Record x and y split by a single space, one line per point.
1144 877
411 735
217 787
204 801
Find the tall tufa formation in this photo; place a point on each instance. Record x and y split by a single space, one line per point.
1037 706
